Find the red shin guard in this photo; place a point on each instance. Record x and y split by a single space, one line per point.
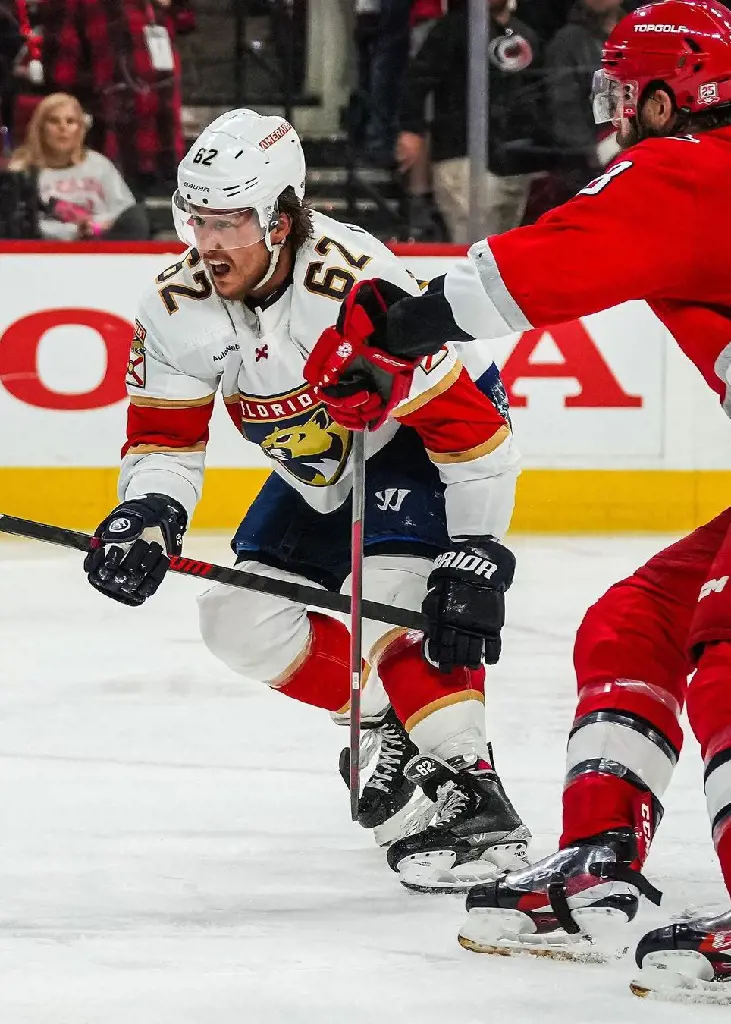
709 696
322 677
631 670
415 688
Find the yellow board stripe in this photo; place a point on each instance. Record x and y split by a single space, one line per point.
619 501
80 498
548 500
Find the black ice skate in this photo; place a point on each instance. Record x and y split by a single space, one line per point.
389 803
476 833
687 962
573 905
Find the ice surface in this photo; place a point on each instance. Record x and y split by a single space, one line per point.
175 844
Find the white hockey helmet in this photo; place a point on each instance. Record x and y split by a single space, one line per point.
237 168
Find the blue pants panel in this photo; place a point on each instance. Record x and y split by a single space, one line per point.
404 514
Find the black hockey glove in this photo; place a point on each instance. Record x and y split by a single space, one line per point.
124 561
418 326
465 604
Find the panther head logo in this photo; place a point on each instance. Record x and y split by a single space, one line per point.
314 451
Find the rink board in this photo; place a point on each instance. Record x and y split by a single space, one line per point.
618 431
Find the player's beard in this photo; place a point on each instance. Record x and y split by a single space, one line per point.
633 130
628 133
246 273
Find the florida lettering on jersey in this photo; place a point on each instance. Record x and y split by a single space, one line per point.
298 432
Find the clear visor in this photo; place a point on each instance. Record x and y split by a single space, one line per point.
210 229
612 100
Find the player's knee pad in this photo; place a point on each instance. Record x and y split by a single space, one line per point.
709 695
620 757
629 633
626 737
390 579
256 635
616 742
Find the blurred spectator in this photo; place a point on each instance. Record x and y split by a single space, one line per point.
440 69
119 58
382 38
10 44
424 13
23 88
572 57
424 219
18 205
11 41
81 193
544 16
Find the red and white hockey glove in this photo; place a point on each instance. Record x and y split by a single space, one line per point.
350 367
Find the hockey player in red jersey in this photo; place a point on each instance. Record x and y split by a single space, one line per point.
654 226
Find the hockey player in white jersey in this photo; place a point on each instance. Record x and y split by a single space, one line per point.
239 315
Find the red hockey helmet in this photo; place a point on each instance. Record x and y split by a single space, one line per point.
684 43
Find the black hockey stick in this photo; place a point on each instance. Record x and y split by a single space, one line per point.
358 463
297 592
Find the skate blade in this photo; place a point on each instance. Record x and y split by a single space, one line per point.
435 872
503 932
666 986
680 976
538 946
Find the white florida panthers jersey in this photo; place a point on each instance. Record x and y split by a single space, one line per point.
191 345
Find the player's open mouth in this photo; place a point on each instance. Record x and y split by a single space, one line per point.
219 268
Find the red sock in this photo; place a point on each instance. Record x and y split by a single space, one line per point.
322 676
416 689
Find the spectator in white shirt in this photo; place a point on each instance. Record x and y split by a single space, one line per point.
81 193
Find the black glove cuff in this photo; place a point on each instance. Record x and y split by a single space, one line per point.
420 325
173 520
132 517
479 561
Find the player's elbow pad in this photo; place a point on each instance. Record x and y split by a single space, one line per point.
420 325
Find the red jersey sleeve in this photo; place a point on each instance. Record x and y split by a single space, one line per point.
456 421
632 233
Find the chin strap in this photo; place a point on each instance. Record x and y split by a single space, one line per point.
276 251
